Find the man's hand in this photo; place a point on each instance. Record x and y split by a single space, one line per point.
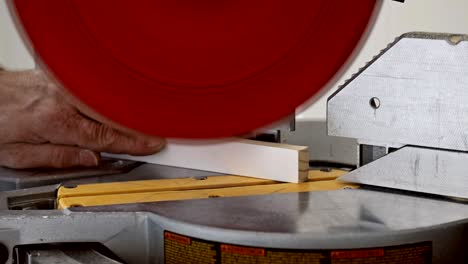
39 127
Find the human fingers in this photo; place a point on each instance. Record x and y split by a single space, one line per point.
86 133
23 155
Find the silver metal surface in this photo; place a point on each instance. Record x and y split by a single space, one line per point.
318 220
56 256
37 198
343 219
413 94
326 214
11 179
417 169
421 82
125 234
313 133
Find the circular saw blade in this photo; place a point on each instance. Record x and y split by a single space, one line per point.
194 69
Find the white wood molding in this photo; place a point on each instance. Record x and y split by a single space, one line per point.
273 161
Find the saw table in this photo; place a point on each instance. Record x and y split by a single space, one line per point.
400 123
227 219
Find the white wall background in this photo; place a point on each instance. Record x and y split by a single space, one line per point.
394 20
13 53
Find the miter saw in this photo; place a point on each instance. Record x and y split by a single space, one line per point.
405 108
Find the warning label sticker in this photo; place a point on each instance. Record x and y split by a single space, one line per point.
183 249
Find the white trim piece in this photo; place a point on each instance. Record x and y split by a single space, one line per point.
273 161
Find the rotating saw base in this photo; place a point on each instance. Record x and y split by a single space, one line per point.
339 226
345 226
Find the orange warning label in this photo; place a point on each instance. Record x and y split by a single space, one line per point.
358 253
251 251
174 237
183 249
420 253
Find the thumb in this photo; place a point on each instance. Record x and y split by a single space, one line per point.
22 156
